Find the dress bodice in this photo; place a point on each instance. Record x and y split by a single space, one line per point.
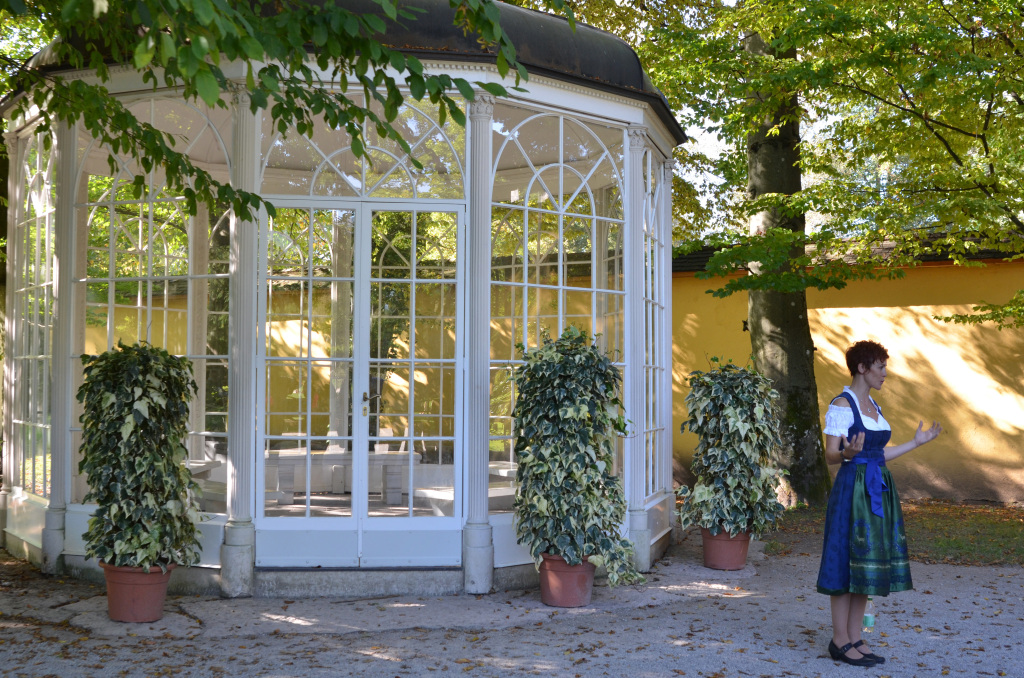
872 455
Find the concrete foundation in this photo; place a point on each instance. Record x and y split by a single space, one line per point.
348 583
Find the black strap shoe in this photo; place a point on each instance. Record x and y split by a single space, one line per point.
840 654
873 657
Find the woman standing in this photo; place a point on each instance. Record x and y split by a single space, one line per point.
865 550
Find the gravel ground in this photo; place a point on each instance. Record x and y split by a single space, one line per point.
764 620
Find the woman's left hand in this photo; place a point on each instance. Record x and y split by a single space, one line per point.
923 435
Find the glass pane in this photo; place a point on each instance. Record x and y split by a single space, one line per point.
340 398
512 175
331 471
332 331
130 260
604 184
333 243
387 176
507 258
330 182
441 176
391 247
577 194
540 140
285 466
170 246
286 326
506 315
389 320
216 389
98 263
290 165
542 315
288 243
542 244
392 408
433 471
217 296
545 191
578 310
96 317
286 399
128 325
610 233
348 166
608 323
435 320
436 245
219 241
576 242
169 317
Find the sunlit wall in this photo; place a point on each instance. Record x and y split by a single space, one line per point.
969 378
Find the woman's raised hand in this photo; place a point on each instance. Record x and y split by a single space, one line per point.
923 435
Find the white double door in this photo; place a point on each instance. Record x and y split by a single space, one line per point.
359 459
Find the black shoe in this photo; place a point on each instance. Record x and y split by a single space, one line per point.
840 654
873 657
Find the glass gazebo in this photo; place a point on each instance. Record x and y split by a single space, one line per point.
352 430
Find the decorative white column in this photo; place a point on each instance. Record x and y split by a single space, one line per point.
60 365
237 554
477 536
14 198
635 454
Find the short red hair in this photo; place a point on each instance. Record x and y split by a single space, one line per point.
865 353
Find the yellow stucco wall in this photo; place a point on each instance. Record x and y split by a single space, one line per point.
969 378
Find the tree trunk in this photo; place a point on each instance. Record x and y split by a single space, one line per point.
780 336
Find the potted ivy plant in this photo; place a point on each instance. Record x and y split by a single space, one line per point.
135 417
732 411
569 504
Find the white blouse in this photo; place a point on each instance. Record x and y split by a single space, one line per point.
838 420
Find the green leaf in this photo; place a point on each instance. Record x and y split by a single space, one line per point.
465 89
493 88
207 86
145 50
203 10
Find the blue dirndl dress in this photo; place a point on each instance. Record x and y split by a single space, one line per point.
865 548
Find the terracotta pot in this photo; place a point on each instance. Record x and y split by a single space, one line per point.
134 595
722 552
564 585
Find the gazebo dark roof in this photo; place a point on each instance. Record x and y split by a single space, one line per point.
546 44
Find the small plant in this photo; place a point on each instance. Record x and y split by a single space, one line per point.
567 415
136 402
732 411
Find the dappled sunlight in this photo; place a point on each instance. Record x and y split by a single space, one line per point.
707 588
378 652
969 378
288 619
937 371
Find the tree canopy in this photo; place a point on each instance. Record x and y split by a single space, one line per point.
912 115
299 61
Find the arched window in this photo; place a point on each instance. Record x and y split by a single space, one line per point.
323 164
556 243
149 271
31 251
